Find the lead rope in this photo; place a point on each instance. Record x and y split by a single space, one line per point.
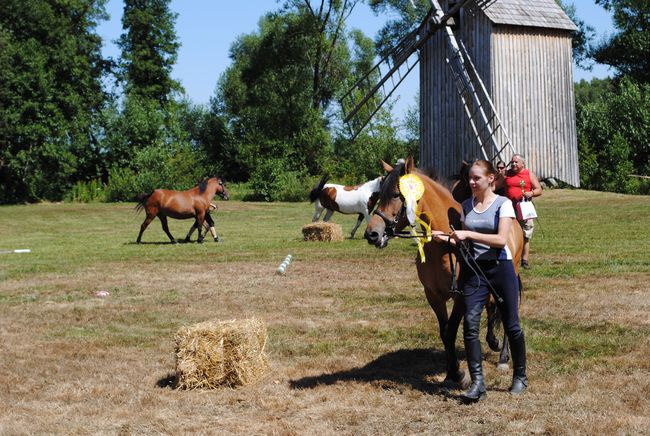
453 263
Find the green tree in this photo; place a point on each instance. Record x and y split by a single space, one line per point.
149 50
613 128
50 96
270 95
628 50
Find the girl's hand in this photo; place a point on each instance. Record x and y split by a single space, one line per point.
440 236
461 235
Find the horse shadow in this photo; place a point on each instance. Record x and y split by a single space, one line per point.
408 367
151 243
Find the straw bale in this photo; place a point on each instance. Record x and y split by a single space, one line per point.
213 354
322 231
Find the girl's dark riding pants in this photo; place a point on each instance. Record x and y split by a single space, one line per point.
501 274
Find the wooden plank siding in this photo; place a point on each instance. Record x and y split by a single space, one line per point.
528 73
532 83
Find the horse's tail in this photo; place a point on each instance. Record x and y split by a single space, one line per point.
318 188
142 201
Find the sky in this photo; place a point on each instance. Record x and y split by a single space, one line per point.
207 28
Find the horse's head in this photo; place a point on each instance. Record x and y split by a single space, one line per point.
389 217
460 189
212 186
221 189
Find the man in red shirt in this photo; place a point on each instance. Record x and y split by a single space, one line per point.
521 183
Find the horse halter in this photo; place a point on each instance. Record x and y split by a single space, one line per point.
392 224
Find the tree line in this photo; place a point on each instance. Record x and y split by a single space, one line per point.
77 125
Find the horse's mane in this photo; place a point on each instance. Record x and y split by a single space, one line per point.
390 182
203 185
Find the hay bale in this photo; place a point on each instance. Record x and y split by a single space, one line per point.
212 354
329 232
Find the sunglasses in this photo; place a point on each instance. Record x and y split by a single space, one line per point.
501 168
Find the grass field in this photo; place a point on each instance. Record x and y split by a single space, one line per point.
353 345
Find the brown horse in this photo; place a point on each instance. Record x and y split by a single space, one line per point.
440 211
191 203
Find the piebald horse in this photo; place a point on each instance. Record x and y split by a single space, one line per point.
191 203
358 199
438 209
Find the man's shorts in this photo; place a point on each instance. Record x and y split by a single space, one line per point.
527 226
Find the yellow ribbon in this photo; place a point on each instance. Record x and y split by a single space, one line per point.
412 189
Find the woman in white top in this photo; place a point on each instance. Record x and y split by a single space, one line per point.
487 218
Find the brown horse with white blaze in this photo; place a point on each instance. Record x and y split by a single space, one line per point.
191 203
438 209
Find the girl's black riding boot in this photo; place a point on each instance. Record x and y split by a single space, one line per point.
476 391
519 379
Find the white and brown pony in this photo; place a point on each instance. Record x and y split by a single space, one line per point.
440 211
358 200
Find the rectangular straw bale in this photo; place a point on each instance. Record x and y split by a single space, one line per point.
322 231
213 354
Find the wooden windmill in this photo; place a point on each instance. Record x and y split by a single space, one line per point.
522 51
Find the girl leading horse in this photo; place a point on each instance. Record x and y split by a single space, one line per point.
191 203
438 209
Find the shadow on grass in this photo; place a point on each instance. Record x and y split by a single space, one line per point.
170 381
412 368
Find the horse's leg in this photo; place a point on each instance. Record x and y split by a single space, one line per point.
448 331
328 215
144 225
189 234
318 210
504 356
359 220
493 318
163 220
200 217
457 375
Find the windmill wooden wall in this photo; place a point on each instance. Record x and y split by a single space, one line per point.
528 72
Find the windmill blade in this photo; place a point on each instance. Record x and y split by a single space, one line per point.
484 120
364 99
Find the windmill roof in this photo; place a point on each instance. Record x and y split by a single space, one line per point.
533 13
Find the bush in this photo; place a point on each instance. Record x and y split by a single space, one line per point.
122 185
93 191
273 181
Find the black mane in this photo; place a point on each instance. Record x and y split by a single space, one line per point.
390 182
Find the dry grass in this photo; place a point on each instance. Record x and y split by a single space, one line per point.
352 345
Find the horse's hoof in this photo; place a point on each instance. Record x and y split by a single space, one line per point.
503 367
199 241
461 378
495 345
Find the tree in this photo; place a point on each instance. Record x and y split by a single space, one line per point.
326 24
613 126
582 38
627 51
272 96
149 50
50 96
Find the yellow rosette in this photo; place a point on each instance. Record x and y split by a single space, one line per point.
412 190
